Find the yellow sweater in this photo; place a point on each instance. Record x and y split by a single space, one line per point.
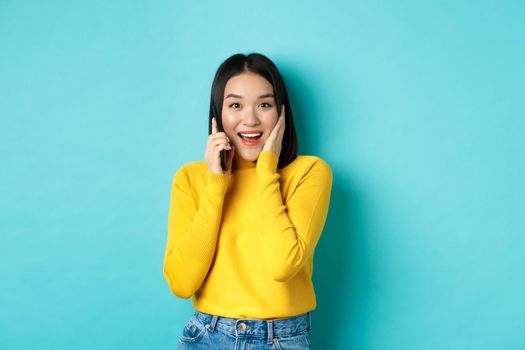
242 245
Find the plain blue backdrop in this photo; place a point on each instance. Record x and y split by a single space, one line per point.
417 106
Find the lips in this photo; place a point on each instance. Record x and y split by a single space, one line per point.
250 138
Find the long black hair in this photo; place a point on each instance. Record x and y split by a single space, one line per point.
262 65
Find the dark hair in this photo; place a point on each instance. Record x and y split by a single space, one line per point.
262 65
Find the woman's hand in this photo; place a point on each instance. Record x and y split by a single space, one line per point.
218 141
274 142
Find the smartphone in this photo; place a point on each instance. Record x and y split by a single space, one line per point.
219 127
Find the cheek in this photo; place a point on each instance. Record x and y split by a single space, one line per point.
228 123
273 117
270 121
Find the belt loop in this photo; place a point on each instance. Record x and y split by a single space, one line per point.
211 325
309 322
270 331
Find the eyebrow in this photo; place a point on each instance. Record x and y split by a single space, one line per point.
239 96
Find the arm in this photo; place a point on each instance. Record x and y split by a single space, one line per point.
289 232
192 232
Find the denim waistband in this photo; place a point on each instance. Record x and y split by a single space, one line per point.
281 327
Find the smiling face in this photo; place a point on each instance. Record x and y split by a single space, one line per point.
249 113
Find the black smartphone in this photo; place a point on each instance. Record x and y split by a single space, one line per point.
219 127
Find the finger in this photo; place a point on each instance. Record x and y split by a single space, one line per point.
221 141
280 119
279 124
219 136
214 128
279 132
216 143
216 139
273 133
217 153
221 147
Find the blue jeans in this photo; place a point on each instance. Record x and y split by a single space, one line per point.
205 331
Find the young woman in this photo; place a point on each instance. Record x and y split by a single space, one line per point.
241 240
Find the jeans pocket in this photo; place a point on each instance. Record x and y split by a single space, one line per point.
193 331
297 342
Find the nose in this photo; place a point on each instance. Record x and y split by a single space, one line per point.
250 117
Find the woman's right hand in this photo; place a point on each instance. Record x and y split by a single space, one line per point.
218 141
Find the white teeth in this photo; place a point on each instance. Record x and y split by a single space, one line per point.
251 135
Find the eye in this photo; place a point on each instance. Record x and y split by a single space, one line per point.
234 104
266 103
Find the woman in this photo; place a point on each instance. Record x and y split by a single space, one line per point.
241 239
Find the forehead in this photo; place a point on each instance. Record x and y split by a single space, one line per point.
248 84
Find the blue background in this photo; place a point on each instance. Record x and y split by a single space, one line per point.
416 105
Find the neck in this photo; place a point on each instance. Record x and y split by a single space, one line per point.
241 163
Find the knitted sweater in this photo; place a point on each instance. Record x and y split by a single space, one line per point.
242 245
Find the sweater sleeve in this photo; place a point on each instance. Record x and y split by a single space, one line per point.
290 231
192 232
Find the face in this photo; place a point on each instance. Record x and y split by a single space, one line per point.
249 113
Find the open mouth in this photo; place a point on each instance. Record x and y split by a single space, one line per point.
250 136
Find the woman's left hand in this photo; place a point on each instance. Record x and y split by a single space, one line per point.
274 141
